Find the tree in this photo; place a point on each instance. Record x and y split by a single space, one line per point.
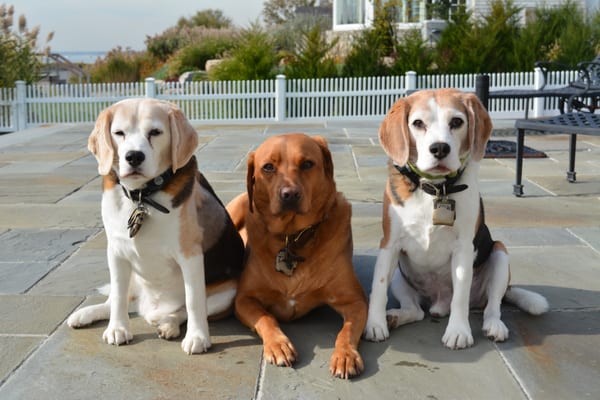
276 12
18 49
209 18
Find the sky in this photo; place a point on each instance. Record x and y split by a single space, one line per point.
92 25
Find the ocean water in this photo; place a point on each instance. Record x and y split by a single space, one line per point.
87 57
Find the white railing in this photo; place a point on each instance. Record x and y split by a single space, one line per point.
273 100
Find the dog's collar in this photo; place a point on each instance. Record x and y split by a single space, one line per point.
287 260
424 181
149 188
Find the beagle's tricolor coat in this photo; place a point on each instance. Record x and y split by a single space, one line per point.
171 244
435 237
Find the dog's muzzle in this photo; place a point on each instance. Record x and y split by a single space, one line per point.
439 149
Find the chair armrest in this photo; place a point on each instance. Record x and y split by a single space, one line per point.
546 66
589 75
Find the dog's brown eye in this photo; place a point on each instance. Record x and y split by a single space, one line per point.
154 132
119 133
456 123
417 123
306 164
268 167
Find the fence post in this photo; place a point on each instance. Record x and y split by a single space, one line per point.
482 89
410 82
20 106
150 87
538 83
280 90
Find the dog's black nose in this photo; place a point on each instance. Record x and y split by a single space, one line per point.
135 158
289 196
439 149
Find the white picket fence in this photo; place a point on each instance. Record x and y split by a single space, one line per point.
275 100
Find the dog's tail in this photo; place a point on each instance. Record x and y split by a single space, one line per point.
528 301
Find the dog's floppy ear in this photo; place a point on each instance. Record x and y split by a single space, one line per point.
394 134
100 142
480 125
327 160
250 180
184 138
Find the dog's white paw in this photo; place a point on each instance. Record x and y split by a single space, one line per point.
376 329
195 342
117 335
457 337
80 318
495 330
402 316
168 330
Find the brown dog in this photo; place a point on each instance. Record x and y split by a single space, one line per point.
299 249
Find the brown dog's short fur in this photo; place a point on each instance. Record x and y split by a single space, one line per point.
292 194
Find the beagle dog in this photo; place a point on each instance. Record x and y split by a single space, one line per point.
435 244
171 244
299 249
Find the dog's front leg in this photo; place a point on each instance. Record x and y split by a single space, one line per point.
345 360
277 347
376 329
458 332
197 338
118 330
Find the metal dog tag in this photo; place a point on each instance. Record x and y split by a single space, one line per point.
136 219
285 263
443 211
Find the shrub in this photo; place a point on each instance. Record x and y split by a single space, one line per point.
194 55
118 66
413 54
18 49
252 57
311 59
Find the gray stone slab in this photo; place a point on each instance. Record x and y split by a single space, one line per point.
77 364
589 235
50 216
555 356
566 275
518 237
28 255
412 364
13 350
34 315
537 212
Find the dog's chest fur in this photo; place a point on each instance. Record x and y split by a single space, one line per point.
152 251
426 249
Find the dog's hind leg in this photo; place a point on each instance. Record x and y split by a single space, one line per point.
497 282
168 326
409 299
90 314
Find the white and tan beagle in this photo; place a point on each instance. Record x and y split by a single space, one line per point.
171 244
435 244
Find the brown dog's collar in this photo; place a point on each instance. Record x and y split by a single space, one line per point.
287 260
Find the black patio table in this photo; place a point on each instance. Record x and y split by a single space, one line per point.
572 123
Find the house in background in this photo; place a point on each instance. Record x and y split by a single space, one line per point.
352 15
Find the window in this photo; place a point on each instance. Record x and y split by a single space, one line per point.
350 12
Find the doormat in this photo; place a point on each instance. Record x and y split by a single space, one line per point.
508 149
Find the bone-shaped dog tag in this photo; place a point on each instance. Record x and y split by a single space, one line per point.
443 211
136 219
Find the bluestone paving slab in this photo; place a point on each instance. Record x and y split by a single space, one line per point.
34 315
77 364
557 355
50 216
15 349
28 255
553 242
